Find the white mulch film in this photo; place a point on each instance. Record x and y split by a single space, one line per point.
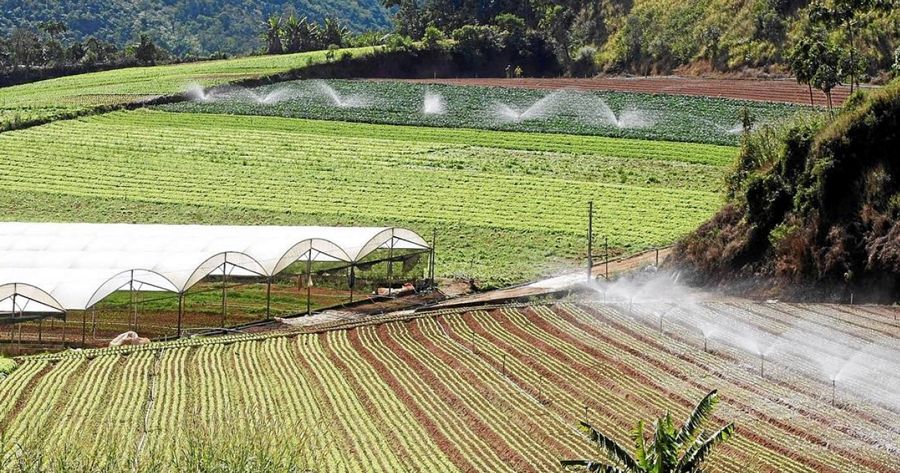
72 266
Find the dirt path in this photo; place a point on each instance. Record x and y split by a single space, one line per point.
781 90
560 283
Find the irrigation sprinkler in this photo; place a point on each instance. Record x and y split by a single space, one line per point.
762 365
706 343
585 414
660 322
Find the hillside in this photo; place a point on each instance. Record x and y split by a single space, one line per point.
67 97
185 27
492 389
812 203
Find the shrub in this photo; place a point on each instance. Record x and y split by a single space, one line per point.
432 38
585 62
7 366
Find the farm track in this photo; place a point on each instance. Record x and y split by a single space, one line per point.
492 389
785 91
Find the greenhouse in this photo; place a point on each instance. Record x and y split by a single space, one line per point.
49 270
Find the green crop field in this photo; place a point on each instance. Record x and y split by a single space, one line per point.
616 114
70 95
501 389
507 206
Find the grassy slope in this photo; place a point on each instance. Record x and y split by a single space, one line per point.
815 204
507 206
54 97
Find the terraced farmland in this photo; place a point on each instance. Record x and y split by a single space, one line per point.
65 96
507 206
493 389
616 114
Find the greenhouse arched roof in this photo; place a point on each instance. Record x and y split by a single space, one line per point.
72 266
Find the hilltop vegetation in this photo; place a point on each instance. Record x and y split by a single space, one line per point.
814 202
654 36
184 27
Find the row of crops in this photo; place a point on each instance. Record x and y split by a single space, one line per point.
617 114
487 390
64 96
481 189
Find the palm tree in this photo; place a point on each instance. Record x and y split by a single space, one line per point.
333 32
670 450
273 35
297 34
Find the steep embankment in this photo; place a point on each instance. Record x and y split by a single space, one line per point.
813 208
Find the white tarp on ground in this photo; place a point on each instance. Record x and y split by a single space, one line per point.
72 266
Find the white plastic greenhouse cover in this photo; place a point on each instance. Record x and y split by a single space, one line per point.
72 266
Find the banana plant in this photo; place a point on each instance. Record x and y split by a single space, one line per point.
669 449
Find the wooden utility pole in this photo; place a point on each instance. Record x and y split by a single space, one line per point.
590 240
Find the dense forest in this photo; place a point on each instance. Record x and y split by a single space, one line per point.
822 42
183 27
814 203
660 36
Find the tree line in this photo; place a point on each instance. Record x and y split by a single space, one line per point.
29 54
294 35
622 36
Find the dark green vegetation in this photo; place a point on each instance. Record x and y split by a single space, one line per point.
657 36
643 116
507 206
541 37
183 27
813 202
669 449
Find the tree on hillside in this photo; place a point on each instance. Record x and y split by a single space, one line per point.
146 51
408 18
53 28
802 63
669 449
99 52
817 61
827 68
847 15
25 47
273 34
555 23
